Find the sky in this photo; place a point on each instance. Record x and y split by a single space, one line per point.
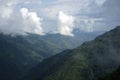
19 17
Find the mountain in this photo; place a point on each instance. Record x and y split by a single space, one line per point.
89 61
16 56
115 75
20 53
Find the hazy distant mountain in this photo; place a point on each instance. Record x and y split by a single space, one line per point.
88 62
20 53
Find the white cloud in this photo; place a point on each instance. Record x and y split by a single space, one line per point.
6 7
66 24
21 23
29 19
32 21
89 8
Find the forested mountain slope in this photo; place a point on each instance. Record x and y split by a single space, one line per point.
20 53
90 61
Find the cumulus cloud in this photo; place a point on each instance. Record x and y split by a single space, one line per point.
31 21
27 20
6 7
66 24
89 8
21 23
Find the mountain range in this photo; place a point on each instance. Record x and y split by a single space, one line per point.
90 61
18 54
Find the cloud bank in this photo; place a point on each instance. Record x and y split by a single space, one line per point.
21 23
66 24
6 7
76 8
19 17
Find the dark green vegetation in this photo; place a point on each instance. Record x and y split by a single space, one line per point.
20 53
90 61
115 75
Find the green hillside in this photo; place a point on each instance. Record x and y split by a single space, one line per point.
115 75
88 62
20 53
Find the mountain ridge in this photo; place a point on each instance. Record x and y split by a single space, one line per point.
22 53
89 61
